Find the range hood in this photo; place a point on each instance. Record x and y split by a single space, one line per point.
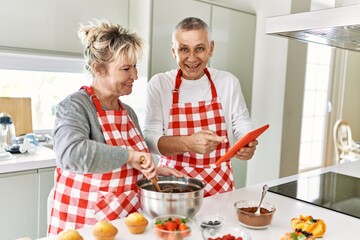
338 27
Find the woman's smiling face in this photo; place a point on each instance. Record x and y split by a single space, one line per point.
120 76
192 51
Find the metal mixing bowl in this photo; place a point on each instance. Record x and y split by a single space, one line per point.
164 203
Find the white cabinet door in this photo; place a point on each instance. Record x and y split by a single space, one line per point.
52 24
234 37
46 182
166 14
19 205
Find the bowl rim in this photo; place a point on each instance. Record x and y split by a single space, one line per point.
266 205
197 183
227 228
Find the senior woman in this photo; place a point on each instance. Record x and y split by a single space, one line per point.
97 139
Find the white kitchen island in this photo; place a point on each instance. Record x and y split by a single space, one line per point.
339 226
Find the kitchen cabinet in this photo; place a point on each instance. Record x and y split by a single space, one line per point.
23 203
234 36
18 204
46 183
52 25
166 14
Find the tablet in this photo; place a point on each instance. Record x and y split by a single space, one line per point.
249 137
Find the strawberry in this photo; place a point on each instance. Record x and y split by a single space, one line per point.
177 220
170 225
185 228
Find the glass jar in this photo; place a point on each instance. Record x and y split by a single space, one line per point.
7 131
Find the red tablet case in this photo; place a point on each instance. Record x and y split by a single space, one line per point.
249 137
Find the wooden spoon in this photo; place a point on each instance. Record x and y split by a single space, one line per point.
153 180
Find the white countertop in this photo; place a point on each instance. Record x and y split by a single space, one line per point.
44 157
339 226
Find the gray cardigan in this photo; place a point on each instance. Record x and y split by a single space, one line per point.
79 143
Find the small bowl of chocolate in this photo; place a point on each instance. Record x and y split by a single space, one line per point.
246 216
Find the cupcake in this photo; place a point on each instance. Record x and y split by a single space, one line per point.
70 234
104 230
136 223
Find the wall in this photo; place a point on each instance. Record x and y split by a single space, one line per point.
293 100
268 93
351 104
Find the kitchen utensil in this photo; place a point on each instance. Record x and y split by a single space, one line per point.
155 203
153 180
249 137
264 191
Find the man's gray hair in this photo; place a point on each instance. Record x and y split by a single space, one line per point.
191 23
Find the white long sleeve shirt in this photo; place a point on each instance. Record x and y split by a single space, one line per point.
159 101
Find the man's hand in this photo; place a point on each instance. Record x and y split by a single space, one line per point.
204 141
246 153
201 142
166 171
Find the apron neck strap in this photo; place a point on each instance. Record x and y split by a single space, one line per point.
178 83
93 97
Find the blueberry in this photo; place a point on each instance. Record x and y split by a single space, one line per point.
204 225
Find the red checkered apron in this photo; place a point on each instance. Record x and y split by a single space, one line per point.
82 200
189 118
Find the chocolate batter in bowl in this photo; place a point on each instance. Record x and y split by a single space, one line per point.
178 196
245 212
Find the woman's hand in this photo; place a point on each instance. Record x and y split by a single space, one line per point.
246 153
166 171
143 162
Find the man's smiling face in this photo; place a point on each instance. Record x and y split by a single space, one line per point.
192 51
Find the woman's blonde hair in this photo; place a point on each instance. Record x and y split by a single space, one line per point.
105 42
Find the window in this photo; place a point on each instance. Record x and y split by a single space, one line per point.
48 79
314 115
45 89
